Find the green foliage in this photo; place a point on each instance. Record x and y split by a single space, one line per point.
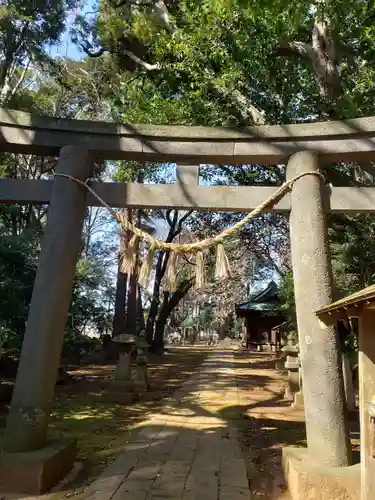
286 289
206 316
133 171
21 227
27 31
353 252
236 328
18 260
87 307
214 48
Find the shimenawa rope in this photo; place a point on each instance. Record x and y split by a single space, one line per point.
222 268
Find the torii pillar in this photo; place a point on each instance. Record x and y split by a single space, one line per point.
325 411
29 463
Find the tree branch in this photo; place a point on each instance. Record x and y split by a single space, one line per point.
144 64
20 80
246 107
131 2
163 16
300 49
88 52
181 221
168 217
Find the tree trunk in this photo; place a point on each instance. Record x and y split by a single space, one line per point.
131 309
169 303
225 326
161 267
155 301
161 322
322 55
119 318
140 313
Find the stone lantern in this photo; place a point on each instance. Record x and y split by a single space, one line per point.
123 381
142 382
292 365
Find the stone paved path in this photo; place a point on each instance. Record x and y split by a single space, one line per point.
186 452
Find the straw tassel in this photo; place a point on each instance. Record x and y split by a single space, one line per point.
145 271
171 272
222 268
129 256
199 271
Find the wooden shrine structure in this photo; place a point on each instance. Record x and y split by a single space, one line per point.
361 305
30 462
262 313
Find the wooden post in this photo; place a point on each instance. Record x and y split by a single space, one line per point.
325 408
366 360
348 382
41 350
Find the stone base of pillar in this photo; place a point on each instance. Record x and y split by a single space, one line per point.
298 403
308 479
35 472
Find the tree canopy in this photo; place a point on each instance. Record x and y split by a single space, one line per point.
188 62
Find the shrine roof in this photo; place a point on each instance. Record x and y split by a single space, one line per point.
266 299
366 296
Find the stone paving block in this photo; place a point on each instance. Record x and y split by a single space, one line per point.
123 464
188 436
233 473
152 496
153 459
168 433
206 463
232 493
103 488
135 489
148 432
134 447
143 471
205 488
200 494
230 449
174 469
163 446
111 479
182 454
166 487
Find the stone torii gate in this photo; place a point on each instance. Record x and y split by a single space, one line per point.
30 463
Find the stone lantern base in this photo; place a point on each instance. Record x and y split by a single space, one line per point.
123 386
